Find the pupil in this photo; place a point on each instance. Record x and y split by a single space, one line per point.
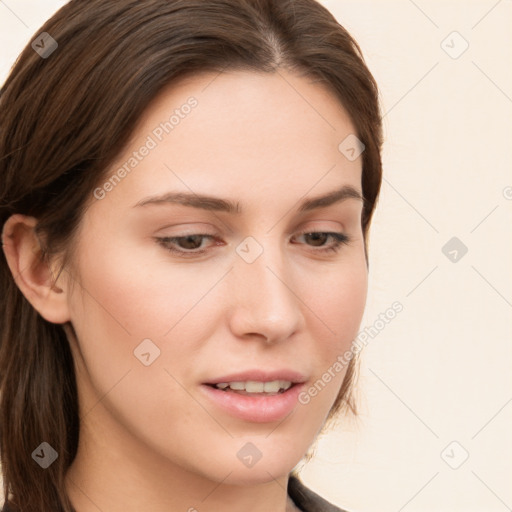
316 237
192 237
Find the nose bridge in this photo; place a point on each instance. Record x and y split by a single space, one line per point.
264 302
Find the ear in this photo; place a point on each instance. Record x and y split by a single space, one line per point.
32 274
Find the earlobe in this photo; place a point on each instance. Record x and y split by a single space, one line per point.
33 276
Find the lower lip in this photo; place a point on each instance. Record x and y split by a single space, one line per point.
257 409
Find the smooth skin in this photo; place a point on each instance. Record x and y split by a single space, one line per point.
150 439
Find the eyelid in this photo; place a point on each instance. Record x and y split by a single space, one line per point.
340 238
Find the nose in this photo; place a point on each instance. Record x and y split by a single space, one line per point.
263 303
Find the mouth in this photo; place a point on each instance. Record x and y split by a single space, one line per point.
256 396
255 388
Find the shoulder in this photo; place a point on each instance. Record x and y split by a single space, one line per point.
308 500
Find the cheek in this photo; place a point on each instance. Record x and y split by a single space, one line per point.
337 305
337 300
136 294
125 301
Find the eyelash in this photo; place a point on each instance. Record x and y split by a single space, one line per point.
339 240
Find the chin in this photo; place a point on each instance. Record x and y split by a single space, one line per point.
258 474
258 461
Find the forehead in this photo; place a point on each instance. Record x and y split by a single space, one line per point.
242 134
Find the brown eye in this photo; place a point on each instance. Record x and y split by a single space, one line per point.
185 246
319 237
190 242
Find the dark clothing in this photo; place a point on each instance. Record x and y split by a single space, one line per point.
307 500
304 498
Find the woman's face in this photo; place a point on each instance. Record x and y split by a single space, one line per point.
175 296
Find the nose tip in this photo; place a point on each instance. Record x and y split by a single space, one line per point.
263 303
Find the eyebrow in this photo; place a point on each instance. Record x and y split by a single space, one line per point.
218 204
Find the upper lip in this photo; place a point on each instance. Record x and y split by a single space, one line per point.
260 376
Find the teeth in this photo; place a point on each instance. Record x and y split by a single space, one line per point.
272 387
285 384
252 386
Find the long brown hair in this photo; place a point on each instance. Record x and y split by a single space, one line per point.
64 119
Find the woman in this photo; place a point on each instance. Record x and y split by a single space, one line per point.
186 193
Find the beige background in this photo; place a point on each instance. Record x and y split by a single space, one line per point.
441 370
